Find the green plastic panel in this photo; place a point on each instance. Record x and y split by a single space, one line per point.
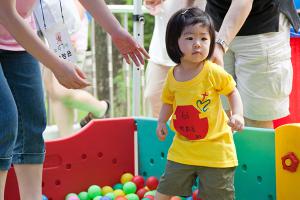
152 151
255 175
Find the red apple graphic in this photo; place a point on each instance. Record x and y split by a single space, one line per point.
189 124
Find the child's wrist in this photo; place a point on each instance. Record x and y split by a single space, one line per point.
161 121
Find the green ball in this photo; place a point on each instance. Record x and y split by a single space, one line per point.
118 186
83 196
111 195
97 198
129 187
69 195
152 193
93 191
132 196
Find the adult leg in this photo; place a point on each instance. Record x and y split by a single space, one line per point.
24 79
155 78
8 128
264 75
29 180
258 124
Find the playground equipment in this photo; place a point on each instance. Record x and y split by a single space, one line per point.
287 142
104 150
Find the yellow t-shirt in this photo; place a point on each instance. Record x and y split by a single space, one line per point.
202 137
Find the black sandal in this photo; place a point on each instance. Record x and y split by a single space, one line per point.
90 116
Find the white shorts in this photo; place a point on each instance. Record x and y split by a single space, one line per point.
261 65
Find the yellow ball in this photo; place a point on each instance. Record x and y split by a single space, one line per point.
119 192
126 177
106 189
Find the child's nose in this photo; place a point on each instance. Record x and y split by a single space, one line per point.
197 44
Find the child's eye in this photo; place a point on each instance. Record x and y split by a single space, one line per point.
204 39
189 38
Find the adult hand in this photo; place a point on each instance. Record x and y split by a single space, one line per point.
128 47
153 2
217 56
69 75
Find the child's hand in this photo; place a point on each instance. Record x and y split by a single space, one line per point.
236 122
161 131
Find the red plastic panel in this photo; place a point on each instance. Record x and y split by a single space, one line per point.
99 154
295 94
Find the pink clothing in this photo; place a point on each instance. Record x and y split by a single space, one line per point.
24 8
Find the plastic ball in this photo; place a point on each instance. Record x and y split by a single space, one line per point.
106 189
73 198
132 196
83 196
111 195
97 198
139 181
119 192
152 193
151 197
141 192
118 186
129 187
121 198
152 182
70 194
189 198
44 197
126 177
93 191
195 195
175 198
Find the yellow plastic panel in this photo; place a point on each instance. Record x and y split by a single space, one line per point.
287 154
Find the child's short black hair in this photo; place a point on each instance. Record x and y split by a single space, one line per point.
181 19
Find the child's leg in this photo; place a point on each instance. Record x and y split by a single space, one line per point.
216 183
160 196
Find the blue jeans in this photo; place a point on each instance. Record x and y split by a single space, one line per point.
22 110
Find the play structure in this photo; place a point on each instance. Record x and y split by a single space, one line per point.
105 149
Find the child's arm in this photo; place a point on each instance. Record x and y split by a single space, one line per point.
236 120
164 115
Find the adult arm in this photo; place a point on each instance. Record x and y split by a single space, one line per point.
66 73
232 23
126 45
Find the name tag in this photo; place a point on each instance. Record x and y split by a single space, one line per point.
59 41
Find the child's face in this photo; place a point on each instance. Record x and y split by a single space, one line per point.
194 43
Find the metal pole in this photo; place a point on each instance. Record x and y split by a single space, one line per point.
126 68
93 47
110 74
138 33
